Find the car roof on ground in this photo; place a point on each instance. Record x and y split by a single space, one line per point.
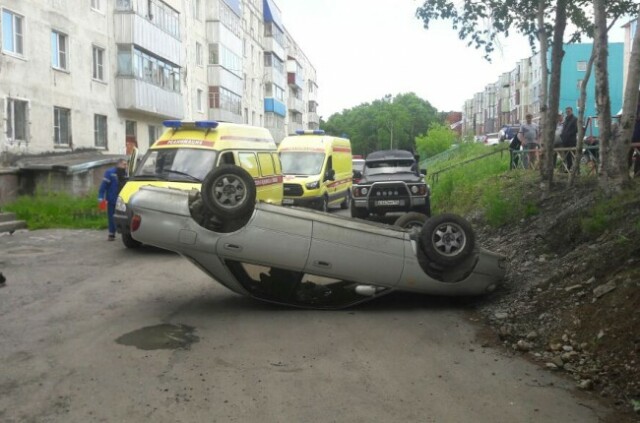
390 154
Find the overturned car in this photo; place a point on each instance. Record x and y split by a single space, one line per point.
307 258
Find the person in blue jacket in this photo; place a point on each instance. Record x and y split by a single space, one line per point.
112 181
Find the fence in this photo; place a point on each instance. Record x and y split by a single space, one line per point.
565 158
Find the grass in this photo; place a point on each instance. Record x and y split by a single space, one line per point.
59 210
483 184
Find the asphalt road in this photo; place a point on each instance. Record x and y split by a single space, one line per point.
92 332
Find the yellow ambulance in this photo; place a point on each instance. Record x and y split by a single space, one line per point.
189 151
317 170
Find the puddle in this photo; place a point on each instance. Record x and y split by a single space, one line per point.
160 337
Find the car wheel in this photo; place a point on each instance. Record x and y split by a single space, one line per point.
358 213
129 242
427 207
229 192
411 220
447 239
325 204
347 199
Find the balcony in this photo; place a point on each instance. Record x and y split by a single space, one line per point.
295 104
271 45
140 96
274 106
312 117
294 74
218 76
130 28
273 76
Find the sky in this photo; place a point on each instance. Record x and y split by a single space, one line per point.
365 49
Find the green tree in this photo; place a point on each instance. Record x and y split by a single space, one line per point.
389 122
439 138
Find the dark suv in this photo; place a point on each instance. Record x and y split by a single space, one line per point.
390 182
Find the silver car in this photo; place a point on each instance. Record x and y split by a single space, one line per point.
309 258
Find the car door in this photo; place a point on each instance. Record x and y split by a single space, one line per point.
357 252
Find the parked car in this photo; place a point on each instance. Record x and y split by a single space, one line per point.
308 258
507 132
390 182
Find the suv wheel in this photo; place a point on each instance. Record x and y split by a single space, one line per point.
229 192
447 239
358 213
411 220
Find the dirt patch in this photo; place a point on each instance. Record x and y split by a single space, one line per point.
572 298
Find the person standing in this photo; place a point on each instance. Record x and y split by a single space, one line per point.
112 181
569 135
529 136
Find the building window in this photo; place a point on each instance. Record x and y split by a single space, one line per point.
100 131
199 99
16 120
199 54
154 134
98 63
59 47
96 5
148 68
582 66
196 9
12 33
61 126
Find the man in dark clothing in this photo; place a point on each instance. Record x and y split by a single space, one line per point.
112 182
569 135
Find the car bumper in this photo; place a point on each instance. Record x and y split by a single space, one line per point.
309 202
402 204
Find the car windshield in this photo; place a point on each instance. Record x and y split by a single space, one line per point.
301 163
389 166
176 164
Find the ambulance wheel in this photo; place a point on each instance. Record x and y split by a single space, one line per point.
447 239
229 192
345 203
325 204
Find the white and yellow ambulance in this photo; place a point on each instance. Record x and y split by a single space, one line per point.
187 151
317 170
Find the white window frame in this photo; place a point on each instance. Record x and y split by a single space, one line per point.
58 127
97 58
59 57
100 132
17 38
199 54
11 125
96 5
199 97
98 68
581 66
197 9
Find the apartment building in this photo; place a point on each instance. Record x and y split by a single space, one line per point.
85 74
521 88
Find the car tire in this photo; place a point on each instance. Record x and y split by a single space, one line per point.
129 242
447 239
358 213
324 206
229 192
411 220
427 207
347 199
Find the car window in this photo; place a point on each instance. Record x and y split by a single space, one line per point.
266 164
301 162
389 166
249 163
177 163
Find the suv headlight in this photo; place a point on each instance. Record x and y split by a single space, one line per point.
313 185
121 206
